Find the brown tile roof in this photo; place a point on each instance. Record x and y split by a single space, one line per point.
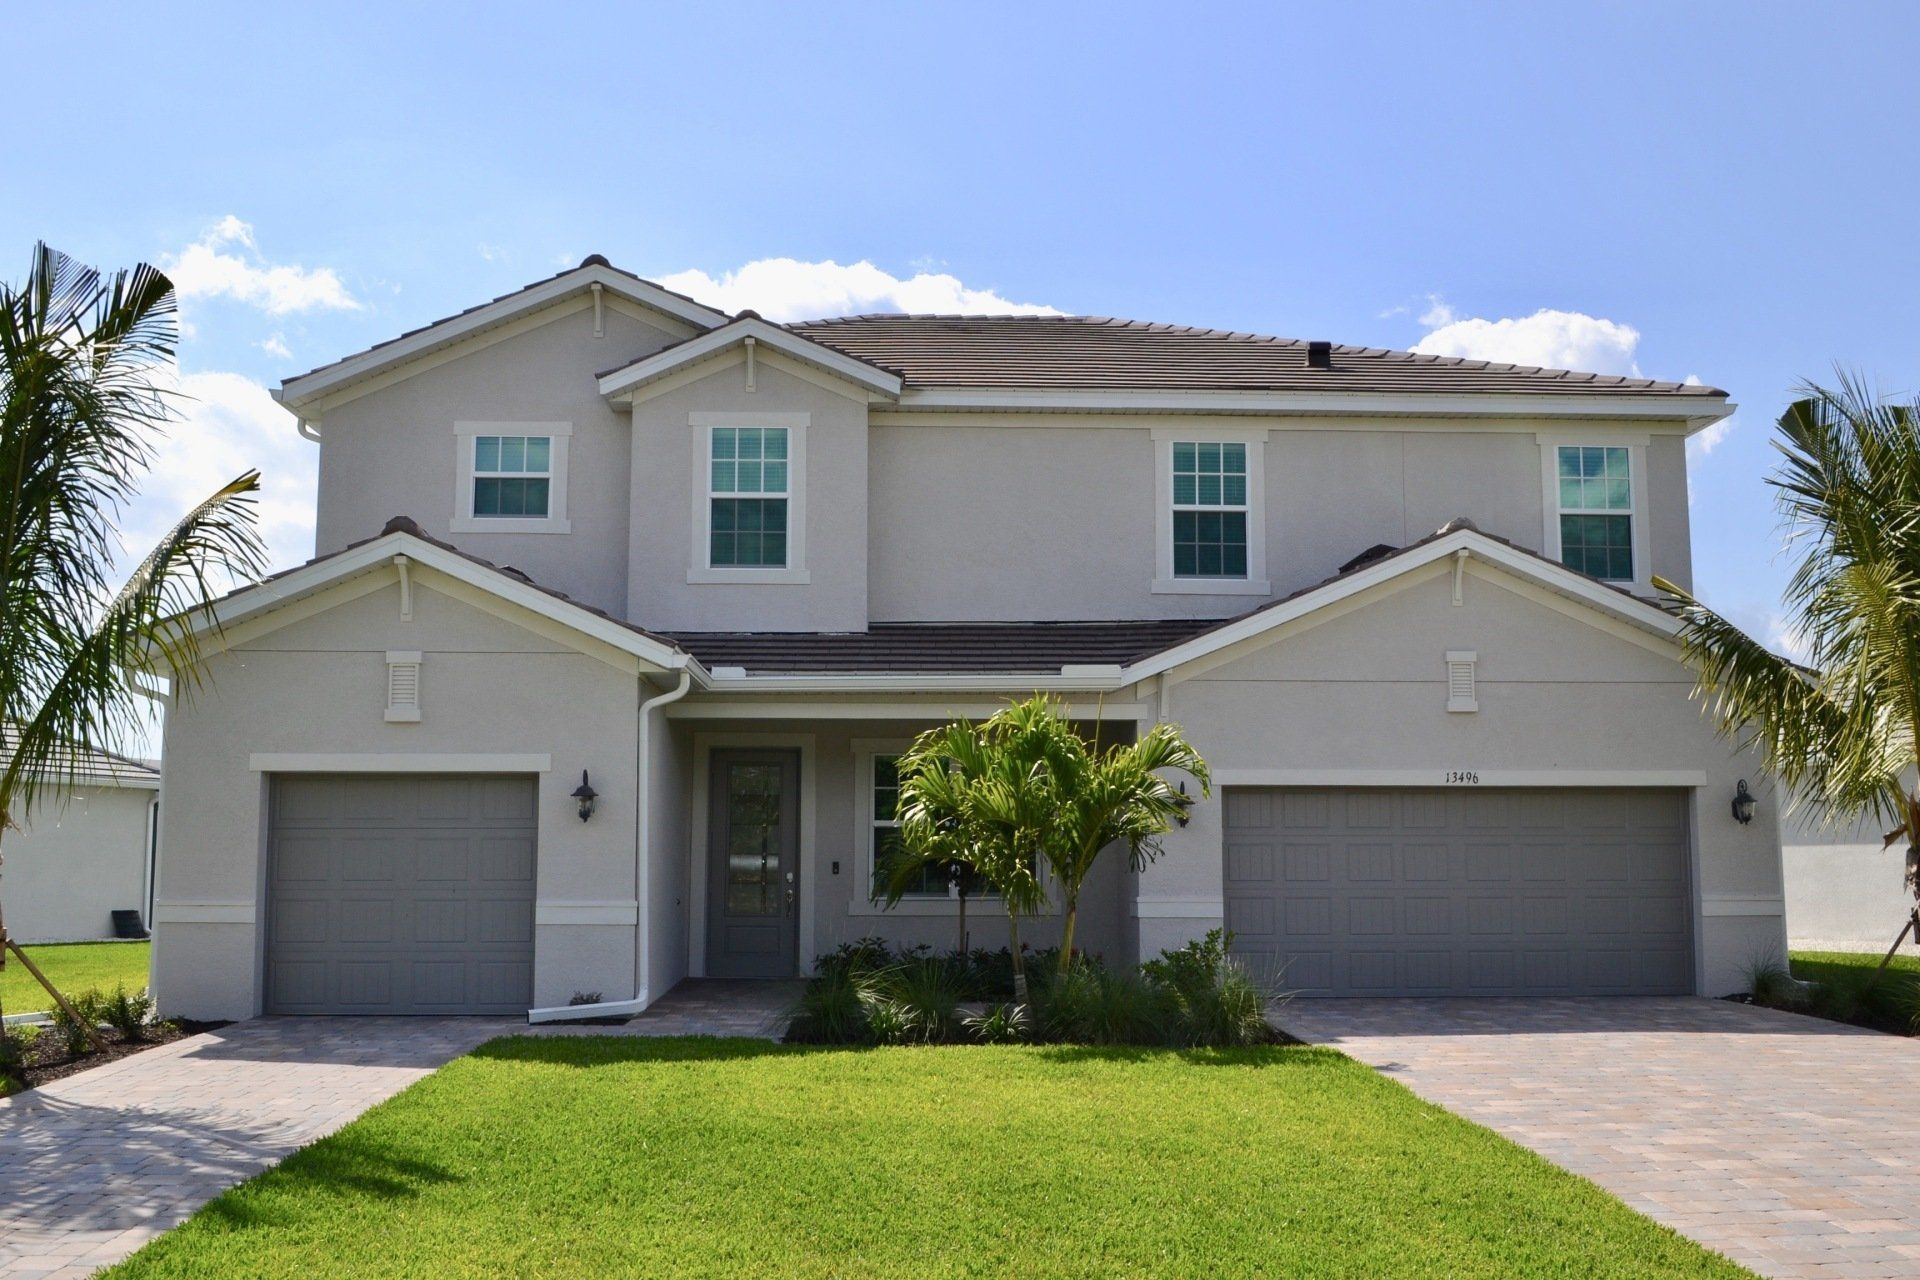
929 648
1099 352
95 763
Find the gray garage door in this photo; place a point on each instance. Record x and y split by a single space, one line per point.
1461 892
400 894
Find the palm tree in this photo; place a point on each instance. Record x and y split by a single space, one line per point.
81 404
1843 731
971 796
1102 796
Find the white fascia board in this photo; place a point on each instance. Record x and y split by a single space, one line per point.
1696 413
297 391
380 552
859 372
1563 581
896 682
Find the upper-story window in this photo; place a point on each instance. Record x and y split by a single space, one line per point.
749 497
748 477
1595 491
511 477
1211 522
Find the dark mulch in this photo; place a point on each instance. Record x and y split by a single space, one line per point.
48 1058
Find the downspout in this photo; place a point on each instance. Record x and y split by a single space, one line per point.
642 811
308 429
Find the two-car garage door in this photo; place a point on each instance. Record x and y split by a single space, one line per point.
400 894
1461 891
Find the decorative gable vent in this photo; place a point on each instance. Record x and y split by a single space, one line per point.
1460 696
403 685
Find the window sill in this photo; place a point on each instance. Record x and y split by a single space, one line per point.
1211 587
509 524
750 577
949 907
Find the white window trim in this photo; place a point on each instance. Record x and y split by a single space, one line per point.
1635 443
555 521
860 903
702 571
1164 581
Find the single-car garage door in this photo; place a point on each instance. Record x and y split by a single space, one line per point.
400 894
1458 892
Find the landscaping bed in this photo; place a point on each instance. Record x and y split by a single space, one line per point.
121 1022
616 1156
48 1059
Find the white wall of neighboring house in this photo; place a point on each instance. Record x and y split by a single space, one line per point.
1844 892
74 863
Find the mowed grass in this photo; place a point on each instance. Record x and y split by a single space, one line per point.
628 1157
73 967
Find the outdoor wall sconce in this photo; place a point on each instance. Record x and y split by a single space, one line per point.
586 795
1186 803
1742 804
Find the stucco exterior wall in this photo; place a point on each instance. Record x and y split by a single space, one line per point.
318 687
1844 891
1361 698
76 859
392 451
669 480
1052 517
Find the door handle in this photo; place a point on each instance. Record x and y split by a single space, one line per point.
789 901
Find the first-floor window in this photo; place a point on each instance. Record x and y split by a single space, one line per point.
1209 509
748 489
930 882
512 476
1596 510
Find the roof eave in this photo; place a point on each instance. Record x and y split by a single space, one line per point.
629 378
1697 411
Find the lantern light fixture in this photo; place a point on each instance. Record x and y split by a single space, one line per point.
1742 804
585 795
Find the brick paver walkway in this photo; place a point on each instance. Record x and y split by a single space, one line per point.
1790 1144
95 1165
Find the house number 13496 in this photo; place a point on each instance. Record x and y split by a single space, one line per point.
1462 778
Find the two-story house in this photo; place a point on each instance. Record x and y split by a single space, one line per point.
622 608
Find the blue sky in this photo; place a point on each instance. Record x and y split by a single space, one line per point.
1728 192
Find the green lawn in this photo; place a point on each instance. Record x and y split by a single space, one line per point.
73 966
1841 991
625 1157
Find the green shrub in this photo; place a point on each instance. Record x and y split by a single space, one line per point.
16 1049
830 1011
887 1021
1000 1024
90 1005
1771 983
1215 1002
128 1012
927 992
1090 1004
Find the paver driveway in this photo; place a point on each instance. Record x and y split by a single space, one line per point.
1790 1144
95 1165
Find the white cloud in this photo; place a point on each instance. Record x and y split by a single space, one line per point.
491 252
276 345
228 424
784 289
226 263
1784 636
1705 441
1547 338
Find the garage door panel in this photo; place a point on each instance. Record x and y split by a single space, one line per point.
1463 892
401 894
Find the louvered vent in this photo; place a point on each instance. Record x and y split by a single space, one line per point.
1460 693
403 686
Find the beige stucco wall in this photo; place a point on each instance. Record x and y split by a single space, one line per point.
1364 693
392 451
489 686
1845 891
78 857
1052 517
669 461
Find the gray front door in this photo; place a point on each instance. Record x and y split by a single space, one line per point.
400 894
1461 892
753 884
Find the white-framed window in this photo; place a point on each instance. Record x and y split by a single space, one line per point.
511 477
1595 506
1210 518
749 518
876 790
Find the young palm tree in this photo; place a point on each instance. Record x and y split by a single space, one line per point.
81 405
1843 731
971 796
1101 796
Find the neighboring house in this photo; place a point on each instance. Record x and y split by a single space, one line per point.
84 851
1845 889
727 569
